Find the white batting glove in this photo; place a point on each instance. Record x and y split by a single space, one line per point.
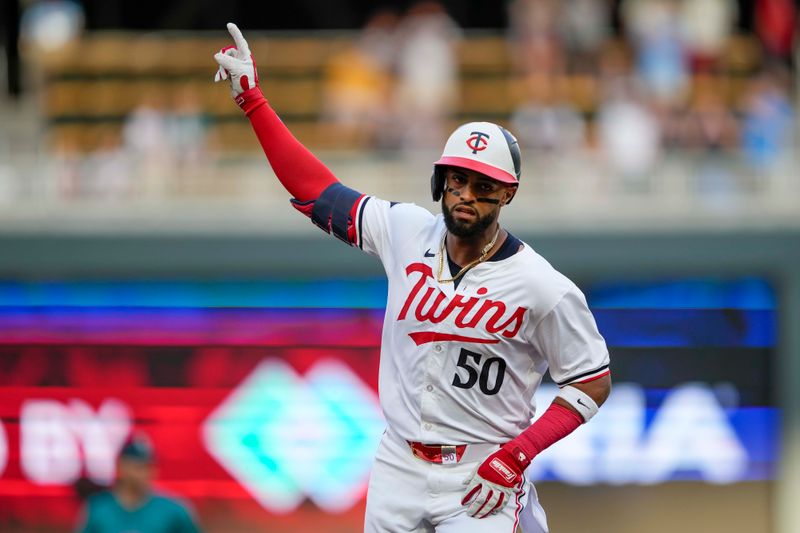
237 64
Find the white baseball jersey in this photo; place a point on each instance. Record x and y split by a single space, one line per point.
461 365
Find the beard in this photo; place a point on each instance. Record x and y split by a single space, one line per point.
467 230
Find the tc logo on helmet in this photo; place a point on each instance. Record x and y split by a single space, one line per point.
478 141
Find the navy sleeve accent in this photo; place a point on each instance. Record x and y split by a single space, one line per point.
331 210
323 206
340 219
360 220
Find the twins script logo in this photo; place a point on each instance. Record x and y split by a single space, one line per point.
473 312
478 141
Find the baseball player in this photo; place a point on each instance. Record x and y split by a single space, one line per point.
474 319
131 505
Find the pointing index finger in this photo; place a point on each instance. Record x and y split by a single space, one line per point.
238 39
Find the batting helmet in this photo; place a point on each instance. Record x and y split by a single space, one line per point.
483 147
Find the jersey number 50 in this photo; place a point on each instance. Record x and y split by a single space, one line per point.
480 374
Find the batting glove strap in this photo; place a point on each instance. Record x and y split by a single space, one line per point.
250 100
494 482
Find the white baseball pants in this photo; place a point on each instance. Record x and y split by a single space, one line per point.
410 495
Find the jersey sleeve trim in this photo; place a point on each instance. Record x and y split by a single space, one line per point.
586 377
359 222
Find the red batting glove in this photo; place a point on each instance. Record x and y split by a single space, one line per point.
492 484
237 64
495 481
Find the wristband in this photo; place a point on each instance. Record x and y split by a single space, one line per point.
581 401
250 100
555 423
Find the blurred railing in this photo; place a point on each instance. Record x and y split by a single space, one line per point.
241 194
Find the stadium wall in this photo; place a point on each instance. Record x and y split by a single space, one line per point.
586 257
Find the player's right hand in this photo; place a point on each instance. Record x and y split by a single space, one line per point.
237 64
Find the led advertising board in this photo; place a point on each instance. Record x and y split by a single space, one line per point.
273 412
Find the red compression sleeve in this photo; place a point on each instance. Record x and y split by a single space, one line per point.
555 424
303 175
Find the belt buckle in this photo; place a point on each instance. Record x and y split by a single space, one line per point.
449 455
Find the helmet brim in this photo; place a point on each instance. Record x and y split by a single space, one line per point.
490 171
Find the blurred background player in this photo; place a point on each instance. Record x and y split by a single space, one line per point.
132 505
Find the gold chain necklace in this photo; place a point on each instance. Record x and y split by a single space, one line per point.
461 272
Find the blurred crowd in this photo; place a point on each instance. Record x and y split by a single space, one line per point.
627 81
624 84
397 84
164 134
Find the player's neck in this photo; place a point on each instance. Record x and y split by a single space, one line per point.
131 497
463 250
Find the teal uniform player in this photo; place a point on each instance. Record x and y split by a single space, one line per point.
158 514
131 505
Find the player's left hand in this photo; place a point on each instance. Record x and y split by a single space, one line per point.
494 482
237 63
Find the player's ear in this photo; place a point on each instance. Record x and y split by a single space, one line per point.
508 195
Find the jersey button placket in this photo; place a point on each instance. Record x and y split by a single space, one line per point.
428 401
441 352
433 365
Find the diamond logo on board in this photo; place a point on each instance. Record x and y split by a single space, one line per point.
287 437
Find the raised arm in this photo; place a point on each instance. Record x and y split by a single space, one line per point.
316 192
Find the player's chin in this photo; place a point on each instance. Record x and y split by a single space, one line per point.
465 226
462 228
